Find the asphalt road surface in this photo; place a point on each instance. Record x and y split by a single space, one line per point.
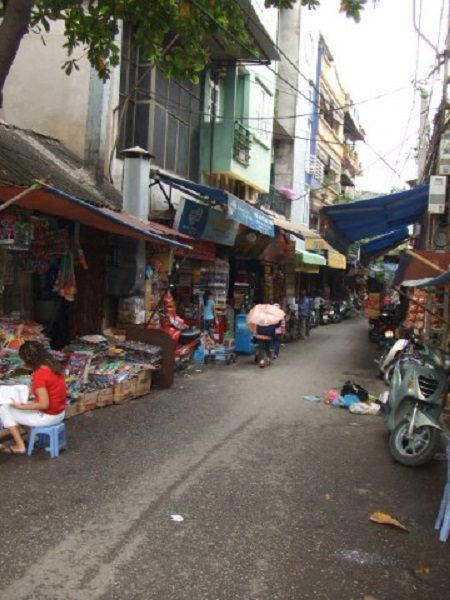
275 492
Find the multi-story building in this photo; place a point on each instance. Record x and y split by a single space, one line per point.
139 106
289 194
315 125
333 163
236 128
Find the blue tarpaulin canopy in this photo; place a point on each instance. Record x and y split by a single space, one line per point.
377 216
184 185
383 244
238 210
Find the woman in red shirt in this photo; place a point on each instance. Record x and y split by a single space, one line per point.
49 389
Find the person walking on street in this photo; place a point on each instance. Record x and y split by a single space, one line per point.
280 329
304 307
264 336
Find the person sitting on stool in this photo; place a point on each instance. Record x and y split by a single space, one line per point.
49 388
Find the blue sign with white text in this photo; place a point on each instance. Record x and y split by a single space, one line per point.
251 217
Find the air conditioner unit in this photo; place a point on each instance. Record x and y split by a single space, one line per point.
436 195
444 154
316 168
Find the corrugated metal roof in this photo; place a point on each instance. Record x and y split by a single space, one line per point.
55 202
26 156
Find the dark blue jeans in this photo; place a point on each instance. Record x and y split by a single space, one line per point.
208 324
264 349
276 345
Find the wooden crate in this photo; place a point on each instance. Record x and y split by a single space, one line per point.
87 401
71 410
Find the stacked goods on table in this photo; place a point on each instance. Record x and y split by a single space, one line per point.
211 350
109 374
13 332
372 305
97 373
416 315
9 362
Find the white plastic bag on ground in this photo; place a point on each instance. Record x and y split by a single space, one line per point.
361 408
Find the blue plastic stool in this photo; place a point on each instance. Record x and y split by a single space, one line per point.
443 518
57 438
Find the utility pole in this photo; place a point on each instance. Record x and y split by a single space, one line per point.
432 220
422 146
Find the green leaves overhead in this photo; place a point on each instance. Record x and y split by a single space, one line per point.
174 34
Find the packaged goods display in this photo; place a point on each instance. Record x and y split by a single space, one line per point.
132 310
372 305
420 303
98 373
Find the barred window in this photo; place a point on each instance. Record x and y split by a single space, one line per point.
159 114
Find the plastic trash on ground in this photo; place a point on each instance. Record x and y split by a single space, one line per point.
312 398
176 518
346 401
361 408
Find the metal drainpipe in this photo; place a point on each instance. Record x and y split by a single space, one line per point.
212 122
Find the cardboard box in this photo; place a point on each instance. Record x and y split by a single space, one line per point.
105 397
124 391
114 336
71 410
88 401
143 382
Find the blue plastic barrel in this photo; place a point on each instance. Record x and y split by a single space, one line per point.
243 336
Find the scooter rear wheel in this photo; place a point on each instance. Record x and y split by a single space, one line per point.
416 451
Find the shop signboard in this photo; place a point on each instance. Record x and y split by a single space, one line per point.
301 267
251 217
316 244
164 257
336 260
201 221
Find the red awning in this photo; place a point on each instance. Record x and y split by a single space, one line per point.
55 202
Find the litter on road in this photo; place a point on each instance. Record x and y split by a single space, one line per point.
176 518
385 519
312 398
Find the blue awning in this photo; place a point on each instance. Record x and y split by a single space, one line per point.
184 185
377 216
237 210
385 243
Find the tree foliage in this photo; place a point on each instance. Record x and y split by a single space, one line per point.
171 33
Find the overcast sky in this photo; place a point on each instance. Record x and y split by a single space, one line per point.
379 55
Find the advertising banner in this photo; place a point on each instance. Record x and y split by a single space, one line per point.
201 221
251 217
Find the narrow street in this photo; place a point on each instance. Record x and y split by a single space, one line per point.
275 491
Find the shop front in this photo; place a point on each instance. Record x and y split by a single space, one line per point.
56 255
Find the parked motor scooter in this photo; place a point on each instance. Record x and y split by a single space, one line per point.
404 348
389 357
413 405
327 314
382 327
186 339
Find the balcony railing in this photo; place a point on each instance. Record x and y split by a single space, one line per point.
276 202
242 144
351 160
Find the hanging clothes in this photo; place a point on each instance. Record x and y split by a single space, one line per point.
65 284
